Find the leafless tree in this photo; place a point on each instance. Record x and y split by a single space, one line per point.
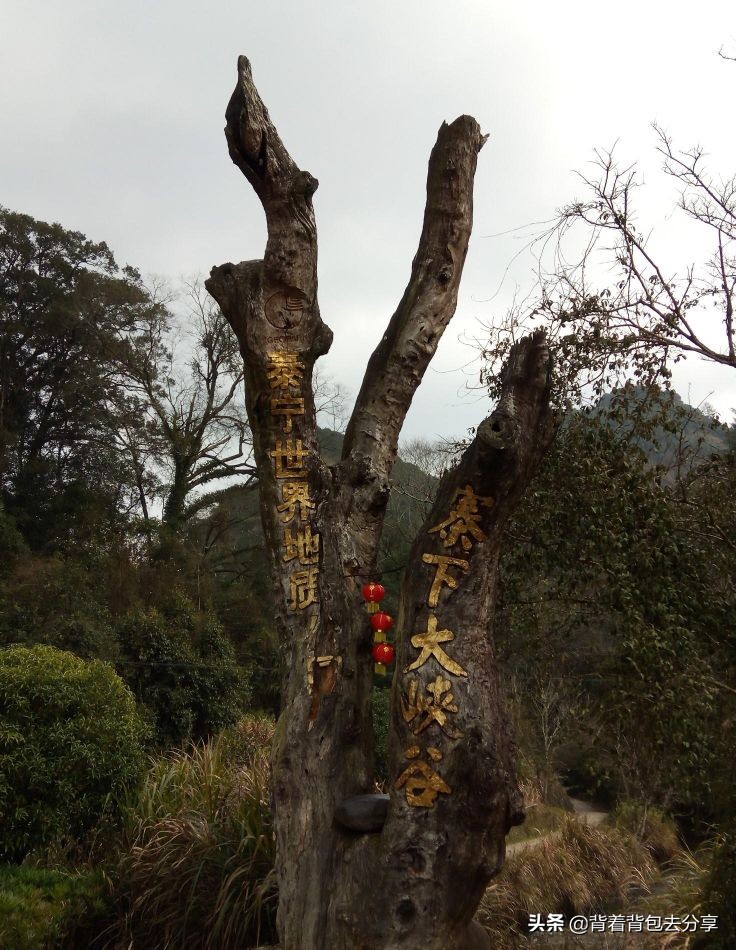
184 424
330 401
612 306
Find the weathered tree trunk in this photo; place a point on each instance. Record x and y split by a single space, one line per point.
453 793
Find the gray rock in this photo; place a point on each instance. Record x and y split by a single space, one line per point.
363 812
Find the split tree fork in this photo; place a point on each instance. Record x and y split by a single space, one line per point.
453 794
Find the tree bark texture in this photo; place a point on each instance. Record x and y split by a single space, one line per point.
453 792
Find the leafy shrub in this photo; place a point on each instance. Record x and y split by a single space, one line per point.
197 852
11 542
181 666
70 744
260 655
57 601
43 908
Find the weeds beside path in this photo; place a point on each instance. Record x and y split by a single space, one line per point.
585 812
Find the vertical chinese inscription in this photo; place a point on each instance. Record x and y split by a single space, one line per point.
300 545
428 707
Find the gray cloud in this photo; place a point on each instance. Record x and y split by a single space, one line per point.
112 121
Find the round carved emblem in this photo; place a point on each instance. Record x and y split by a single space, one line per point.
285 308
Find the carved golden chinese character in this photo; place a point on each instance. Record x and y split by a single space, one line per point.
422 711
294 495
288 457
442 574
302 545
303 589
287 407
429 644
284 370
422 783
463 522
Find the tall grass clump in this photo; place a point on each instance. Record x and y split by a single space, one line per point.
197 853
248 739
680 890
577 871
653 827
699 883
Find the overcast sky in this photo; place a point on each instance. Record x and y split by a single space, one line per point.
112 115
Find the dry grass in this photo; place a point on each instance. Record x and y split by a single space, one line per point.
196 865
655 829
540 820
248 740
531 792
680 892
578 871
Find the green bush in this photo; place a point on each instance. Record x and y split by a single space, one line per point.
11 542
196 856
59 602
70 744
181 667
44 908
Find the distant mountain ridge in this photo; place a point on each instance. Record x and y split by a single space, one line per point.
694 433
413 489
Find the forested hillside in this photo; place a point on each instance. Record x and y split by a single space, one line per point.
131 544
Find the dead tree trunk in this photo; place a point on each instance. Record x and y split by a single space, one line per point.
453 793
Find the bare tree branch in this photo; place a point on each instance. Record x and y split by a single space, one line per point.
398 364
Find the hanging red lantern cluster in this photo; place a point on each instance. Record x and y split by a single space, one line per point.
382 651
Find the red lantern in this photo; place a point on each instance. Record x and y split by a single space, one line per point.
373 593
383 653
381 622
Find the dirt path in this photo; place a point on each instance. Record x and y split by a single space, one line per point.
585 812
